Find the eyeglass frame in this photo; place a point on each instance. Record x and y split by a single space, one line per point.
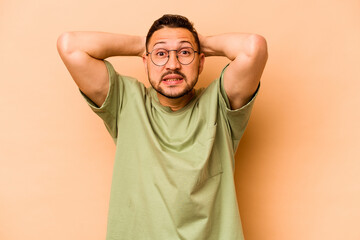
168 57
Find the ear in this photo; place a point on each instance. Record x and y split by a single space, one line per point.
145 61
201 62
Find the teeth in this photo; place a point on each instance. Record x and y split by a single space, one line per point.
176 79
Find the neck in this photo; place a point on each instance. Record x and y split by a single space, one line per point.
176 104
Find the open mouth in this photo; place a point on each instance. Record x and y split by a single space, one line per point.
172 79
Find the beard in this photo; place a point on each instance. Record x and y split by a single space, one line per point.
171 94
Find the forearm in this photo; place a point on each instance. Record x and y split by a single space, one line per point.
230 45
102 45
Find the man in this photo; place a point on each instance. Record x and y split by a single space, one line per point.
175 146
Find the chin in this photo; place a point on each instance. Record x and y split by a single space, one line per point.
174 93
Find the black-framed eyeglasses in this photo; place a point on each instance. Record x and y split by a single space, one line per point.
160 56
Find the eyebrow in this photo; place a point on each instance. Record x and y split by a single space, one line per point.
181 42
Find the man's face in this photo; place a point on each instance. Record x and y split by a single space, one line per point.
173 80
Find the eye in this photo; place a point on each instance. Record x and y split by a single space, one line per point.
160 53
184 52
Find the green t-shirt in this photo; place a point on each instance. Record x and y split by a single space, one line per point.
173 171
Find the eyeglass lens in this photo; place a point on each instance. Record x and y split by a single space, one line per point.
160 56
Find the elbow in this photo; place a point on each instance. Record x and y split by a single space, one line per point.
64 43
257 47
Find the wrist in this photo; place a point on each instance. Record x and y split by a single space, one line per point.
206 47
141 47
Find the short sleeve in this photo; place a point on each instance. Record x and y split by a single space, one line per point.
237 119
108 112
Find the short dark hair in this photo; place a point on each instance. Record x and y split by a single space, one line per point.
172 21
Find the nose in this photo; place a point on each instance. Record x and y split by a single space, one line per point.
173 62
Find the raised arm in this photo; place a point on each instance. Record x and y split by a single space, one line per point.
83 54
248 55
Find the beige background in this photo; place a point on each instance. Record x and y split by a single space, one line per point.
297 171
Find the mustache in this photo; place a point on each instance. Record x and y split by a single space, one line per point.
173 72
